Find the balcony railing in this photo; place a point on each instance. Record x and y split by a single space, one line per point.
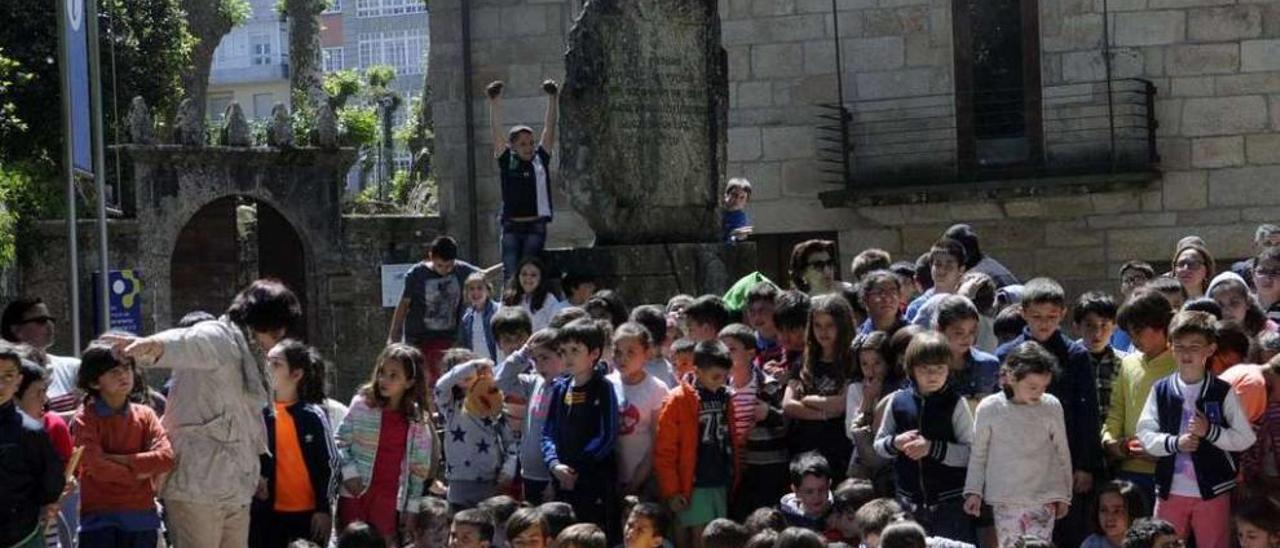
1005 136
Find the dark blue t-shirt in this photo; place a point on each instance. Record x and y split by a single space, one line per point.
714 458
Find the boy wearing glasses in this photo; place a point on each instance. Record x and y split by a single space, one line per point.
1193 423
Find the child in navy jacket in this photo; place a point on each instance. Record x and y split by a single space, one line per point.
1193 423
581 430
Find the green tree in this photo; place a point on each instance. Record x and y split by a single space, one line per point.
305 74
145 48
209 21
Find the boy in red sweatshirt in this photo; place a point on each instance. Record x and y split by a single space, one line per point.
126 452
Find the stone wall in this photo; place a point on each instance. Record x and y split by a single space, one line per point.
353 313
521 42
1215 64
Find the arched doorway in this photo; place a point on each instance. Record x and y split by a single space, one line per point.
228 243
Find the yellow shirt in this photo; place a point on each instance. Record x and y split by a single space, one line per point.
1128 396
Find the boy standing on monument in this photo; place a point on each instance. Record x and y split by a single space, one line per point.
525 170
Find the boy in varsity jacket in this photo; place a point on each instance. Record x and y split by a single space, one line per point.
1193 422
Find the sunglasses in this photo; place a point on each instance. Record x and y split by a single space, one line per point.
819 265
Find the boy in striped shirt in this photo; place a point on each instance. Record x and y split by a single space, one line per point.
757 418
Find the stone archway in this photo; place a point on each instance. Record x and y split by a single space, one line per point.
178 186
225 245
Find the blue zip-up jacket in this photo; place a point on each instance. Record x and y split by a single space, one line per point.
469 319
582 434
315 436
1077 390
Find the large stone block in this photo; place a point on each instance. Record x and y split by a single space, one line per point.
777 60
854 240
785 143
899 83
867 54
896 22
1074 32
804 179
1247 84
1186 190
753 94
1224 115
1211 152
1075 232
1263 148
888 215
1244 186
744 144
1192 86
1223 24
793 28
820 57
766 180
1149 28
1099 222
1083 66
1204 59
1070 263
1259 55
644 118
1160 4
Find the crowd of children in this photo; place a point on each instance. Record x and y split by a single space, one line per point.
925 405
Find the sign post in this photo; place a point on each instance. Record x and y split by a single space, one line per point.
124 300
82 130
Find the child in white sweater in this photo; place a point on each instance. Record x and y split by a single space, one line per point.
1019 461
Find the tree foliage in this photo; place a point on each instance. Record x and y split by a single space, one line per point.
144 47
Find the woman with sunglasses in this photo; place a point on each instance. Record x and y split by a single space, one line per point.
27 321
813 267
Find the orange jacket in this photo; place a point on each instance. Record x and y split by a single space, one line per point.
133 433
675 452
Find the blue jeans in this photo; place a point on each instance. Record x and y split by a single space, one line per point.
521 240
116 538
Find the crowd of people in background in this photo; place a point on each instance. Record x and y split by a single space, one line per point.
937 402
932 402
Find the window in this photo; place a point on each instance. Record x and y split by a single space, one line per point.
331 59
335 6
998 88
403 160
405 50
379 8
217 105
262 103
260 49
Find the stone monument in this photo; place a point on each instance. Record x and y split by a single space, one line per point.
644 113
